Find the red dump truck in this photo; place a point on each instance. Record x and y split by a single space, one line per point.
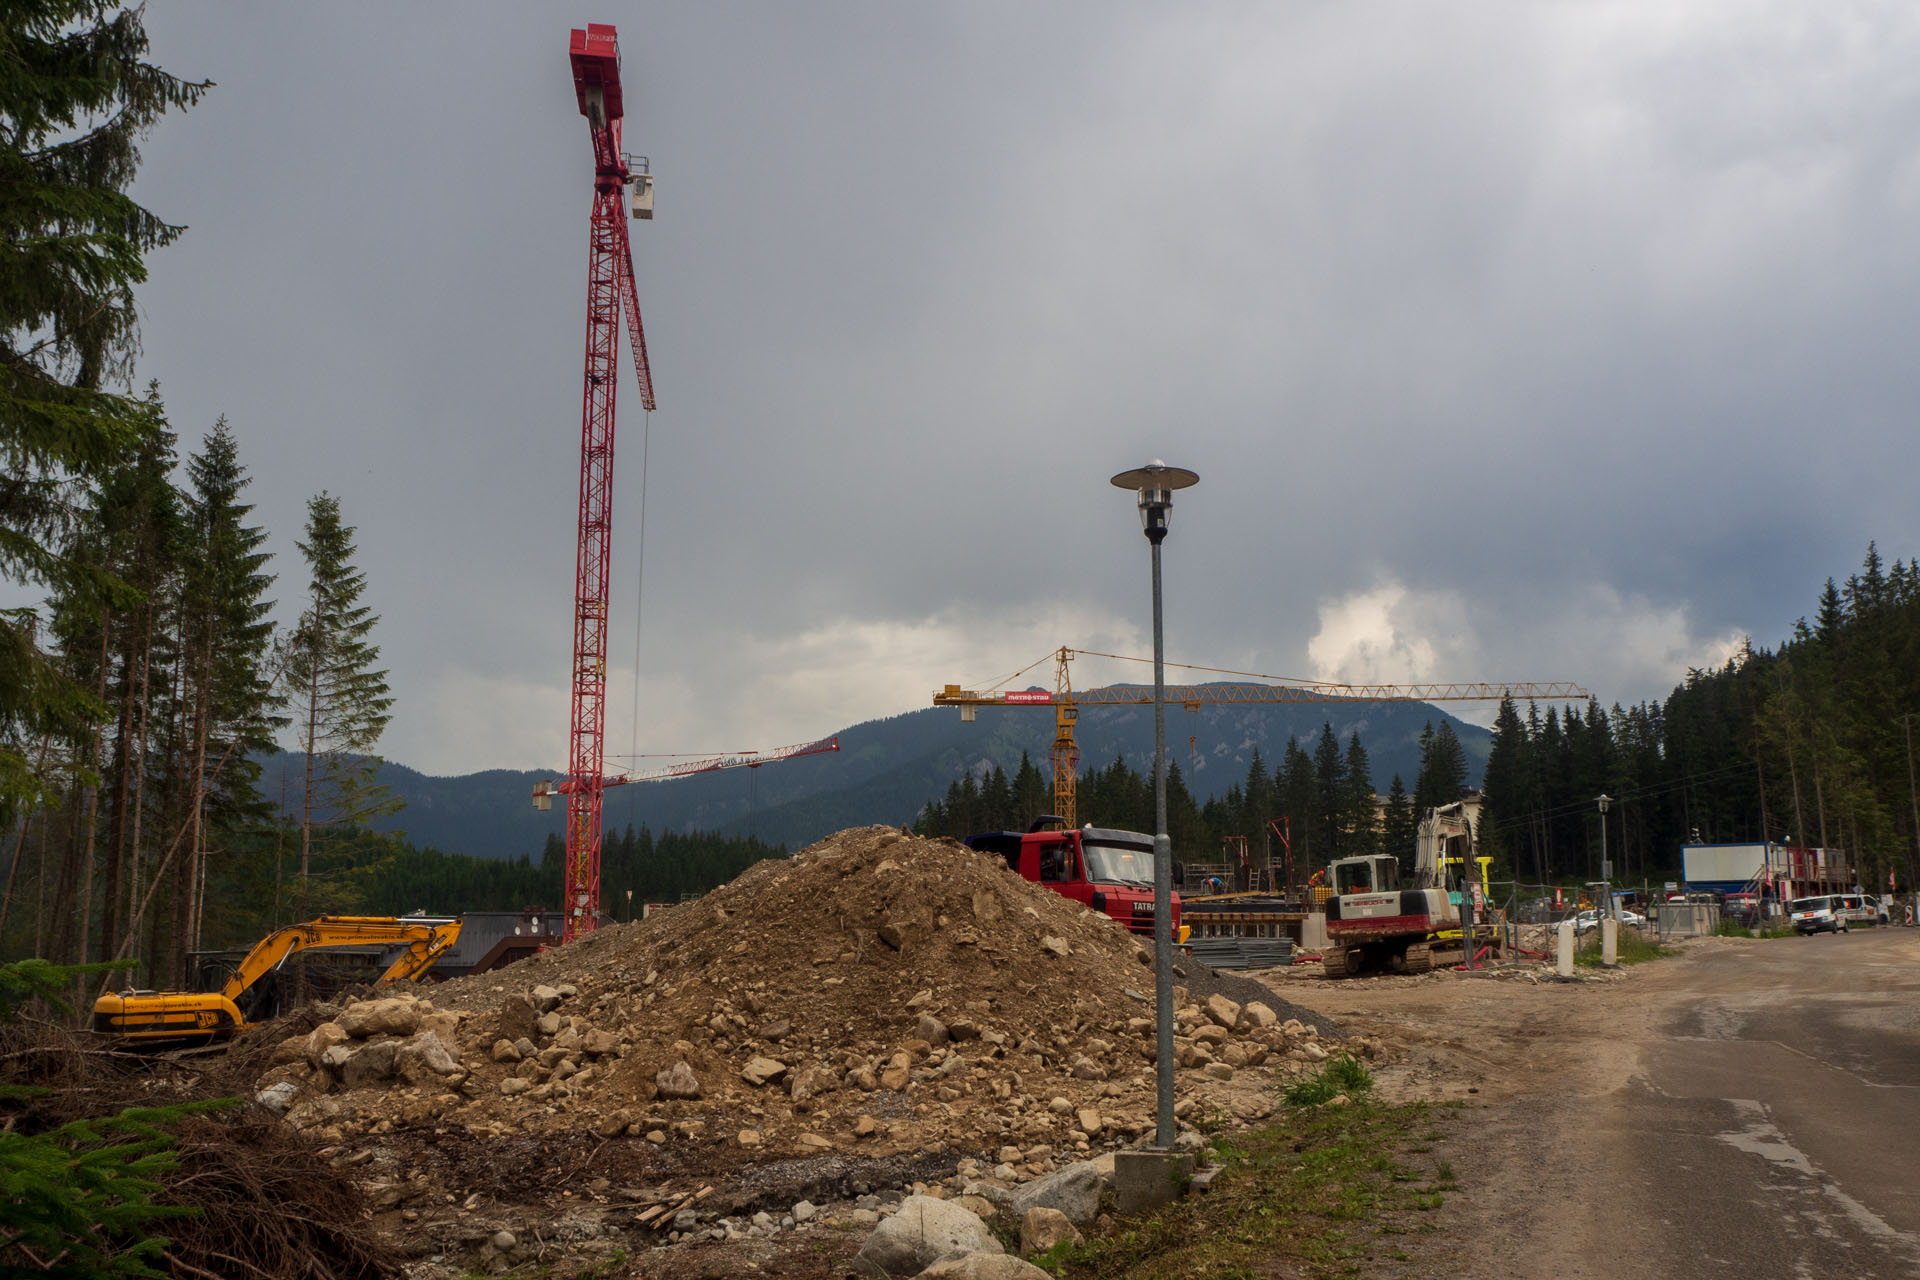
1107 870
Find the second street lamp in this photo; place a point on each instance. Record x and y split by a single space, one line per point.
1155 483
1606 867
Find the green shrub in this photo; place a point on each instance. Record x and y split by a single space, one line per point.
77 1202
1341 1074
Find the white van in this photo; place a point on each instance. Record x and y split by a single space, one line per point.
1817 915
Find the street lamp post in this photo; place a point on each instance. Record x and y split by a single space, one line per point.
1155 483
1606 867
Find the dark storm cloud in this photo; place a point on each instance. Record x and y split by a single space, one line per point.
1510 341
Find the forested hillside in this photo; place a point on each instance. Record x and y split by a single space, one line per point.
1318 802
1809 743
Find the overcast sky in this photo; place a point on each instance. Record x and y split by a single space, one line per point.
1510 341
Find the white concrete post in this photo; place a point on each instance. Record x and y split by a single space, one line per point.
1563 949
1609 942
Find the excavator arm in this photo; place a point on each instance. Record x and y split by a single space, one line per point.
172 1015
419 956
273 950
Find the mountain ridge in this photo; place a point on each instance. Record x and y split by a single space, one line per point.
887 769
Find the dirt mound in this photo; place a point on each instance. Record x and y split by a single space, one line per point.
872 997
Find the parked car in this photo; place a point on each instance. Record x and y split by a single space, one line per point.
1878 906
1824 914
1587 921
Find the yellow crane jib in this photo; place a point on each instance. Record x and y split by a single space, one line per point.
1066 702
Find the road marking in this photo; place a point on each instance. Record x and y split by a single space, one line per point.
1862 1081
1762 1138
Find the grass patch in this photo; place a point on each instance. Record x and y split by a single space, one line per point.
1341 1074
1317 1193
1734 929
1630 950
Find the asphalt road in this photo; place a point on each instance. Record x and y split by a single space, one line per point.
1773 1125
1748 1108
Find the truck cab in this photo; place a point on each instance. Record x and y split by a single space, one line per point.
1104 869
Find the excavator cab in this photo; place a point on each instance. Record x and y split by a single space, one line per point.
1377 874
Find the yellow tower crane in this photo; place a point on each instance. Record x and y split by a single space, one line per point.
1066 703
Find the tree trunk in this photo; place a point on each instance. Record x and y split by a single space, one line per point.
306 802
202 714
85 904
179 807
124 765
137 866
40 892
1793 776
20 847
1820 807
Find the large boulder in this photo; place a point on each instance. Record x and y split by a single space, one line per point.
1043 1228
278 1098
445 1025
1255 1014
425 1058
370 1064
922 1231
322 1038
392 1016
292 1049
518 1018
1074 1191
677 1081
983 1266
811 1081
761 1070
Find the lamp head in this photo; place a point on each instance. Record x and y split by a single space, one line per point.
1155 484
1603 801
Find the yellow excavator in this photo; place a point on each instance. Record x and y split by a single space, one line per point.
253 992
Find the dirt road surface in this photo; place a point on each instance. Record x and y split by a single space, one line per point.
1747 1108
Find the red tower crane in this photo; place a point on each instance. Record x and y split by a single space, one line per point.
595 54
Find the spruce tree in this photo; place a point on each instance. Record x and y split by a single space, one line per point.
1398 827
1501 820
81 1200
1359 817
1443 770
1329 793
75 98
341 697
224 634
1297 794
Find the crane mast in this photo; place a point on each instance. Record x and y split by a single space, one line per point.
595 55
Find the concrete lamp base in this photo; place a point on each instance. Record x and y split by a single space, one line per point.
1150 1177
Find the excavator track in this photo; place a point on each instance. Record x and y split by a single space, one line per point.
1341 962
1420 957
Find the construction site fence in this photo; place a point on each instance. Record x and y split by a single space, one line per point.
1685 919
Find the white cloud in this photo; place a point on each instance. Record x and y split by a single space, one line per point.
1620 646
1390 635
774 690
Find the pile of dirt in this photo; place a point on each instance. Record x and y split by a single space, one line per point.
872 997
